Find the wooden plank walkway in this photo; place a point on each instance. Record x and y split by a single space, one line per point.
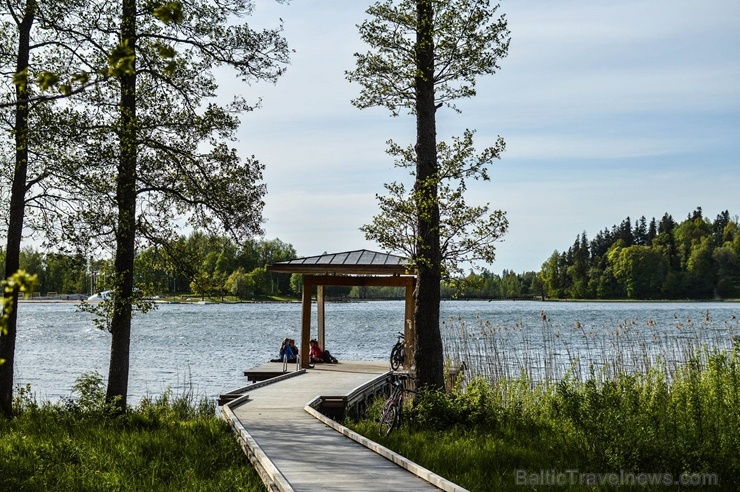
301 453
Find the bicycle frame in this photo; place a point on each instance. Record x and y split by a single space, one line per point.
391 415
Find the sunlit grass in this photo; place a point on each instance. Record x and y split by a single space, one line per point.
167 444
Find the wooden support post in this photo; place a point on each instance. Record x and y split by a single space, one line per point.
306 320
321 316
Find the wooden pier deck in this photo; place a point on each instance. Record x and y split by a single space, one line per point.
295 448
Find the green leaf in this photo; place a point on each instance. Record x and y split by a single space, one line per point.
47 80
81 78
169 69
166 51
121 61
18 282
169 13
20 79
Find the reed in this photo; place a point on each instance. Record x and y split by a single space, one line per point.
546 353
582 409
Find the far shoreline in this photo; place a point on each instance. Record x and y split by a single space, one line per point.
349 301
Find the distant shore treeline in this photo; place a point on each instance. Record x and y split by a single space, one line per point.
195 265
694 259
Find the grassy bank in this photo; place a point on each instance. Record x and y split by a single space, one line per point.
167 444
593 434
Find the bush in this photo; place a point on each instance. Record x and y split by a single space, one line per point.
473 407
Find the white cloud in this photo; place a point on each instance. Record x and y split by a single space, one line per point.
609 110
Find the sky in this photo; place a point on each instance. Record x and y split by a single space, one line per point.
609 110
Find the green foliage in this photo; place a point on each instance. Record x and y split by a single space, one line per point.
468 42
46 80
696 259
20 79
437 410
169 13
16 283
240 284
467 233
484 284
91 389
166 444
638 423
121 60
159 270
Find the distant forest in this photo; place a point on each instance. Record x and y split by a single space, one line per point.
696 258
196 265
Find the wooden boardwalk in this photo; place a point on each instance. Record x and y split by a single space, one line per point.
294 450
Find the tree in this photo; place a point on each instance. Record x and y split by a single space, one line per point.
466 233
157 148
652 231
640 269
718 227
38 53
578 269
19 43
425 54
728 268
701 270
296 283
640 232
240 284
260 280
688 234
511 286
551 276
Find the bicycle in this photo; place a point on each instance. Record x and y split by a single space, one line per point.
390 418
398 353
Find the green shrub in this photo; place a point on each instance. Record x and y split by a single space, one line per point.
473 407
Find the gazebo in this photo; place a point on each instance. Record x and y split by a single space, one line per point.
351 268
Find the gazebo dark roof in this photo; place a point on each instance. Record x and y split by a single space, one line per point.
359 262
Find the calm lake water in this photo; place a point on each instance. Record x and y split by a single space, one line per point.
207 347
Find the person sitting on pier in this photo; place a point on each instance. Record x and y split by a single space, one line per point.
293 346
316 355
289 350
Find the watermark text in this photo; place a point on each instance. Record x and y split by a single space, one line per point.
575 477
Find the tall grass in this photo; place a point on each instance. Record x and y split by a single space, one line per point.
165 444
627 404
549 353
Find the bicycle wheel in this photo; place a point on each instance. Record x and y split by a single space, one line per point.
397 356
390 417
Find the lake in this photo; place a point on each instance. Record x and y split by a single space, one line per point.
206 347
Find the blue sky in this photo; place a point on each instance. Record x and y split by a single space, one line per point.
608 109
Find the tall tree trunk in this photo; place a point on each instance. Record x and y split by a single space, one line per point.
429 359
120 326
17 209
